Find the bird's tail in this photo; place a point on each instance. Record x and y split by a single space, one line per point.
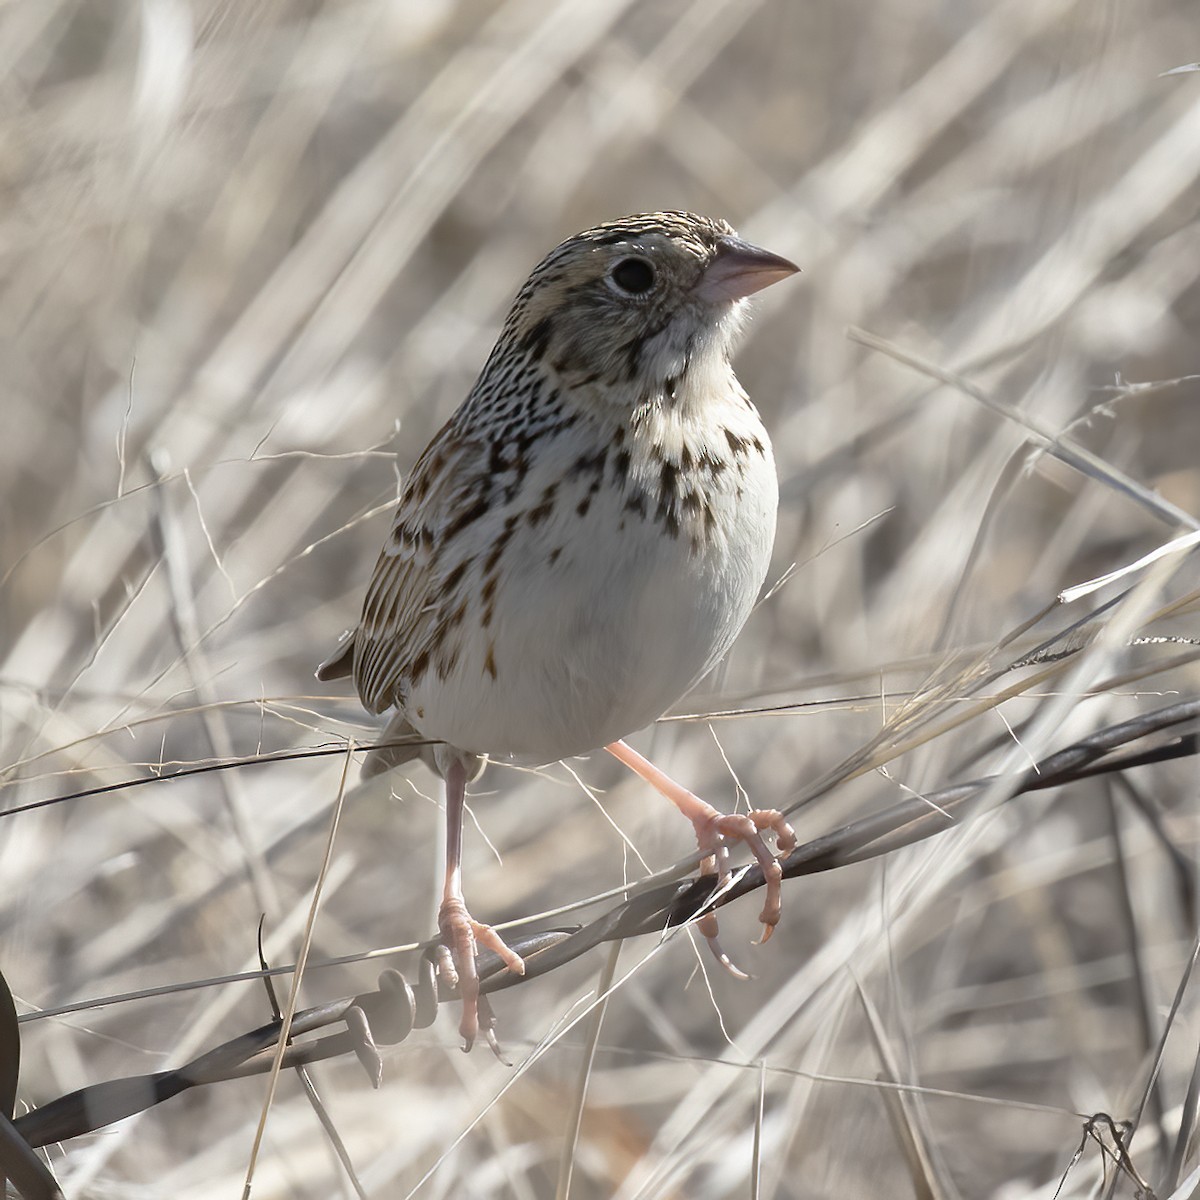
404 744
340 663
407 743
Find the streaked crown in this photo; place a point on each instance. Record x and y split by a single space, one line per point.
632 304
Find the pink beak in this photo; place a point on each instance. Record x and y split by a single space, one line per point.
740 269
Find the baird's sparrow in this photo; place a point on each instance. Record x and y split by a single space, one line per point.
582 540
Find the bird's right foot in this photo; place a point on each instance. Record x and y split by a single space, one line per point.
462 936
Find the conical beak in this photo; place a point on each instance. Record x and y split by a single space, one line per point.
741 269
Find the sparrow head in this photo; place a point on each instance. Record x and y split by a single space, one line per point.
634 306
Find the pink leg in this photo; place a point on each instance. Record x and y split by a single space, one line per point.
461 933
714 830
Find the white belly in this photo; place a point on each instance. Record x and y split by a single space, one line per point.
598 640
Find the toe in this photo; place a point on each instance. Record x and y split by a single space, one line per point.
487 937
774 820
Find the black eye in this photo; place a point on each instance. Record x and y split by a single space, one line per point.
633 275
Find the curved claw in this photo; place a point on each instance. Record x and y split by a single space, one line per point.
706 926
487 1022
719 954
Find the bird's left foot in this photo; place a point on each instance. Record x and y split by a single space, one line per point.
715 830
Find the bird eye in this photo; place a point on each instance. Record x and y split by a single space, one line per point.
634 276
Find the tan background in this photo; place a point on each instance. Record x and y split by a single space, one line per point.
253 255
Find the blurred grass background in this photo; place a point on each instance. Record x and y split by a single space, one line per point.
253 256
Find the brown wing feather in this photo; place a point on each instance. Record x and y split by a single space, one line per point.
400 610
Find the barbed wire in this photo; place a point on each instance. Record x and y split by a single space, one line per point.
389 1014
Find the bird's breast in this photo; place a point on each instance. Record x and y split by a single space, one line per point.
618 575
